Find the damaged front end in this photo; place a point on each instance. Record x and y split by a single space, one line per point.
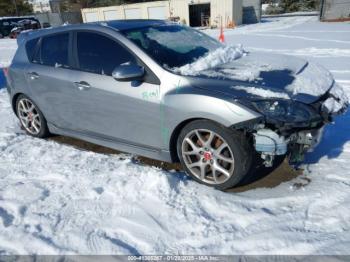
289 127
270 144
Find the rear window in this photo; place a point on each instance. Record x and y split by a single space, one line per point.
31 47
54 50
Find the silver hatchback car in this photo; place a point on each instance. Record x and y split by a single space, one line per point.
168 92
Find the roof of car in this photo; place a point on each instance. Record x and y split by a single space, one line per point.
132 24
118 25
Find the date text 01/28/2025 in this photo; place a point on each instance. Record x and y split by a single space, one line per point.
173 258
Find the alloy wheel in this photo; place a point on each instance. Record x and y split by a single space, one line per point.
208 156
29 116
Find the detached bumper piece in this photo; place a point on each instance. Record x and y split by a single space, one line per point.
270 144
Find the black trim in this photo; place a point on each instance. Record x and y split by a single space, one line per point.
303 68
37 50
249 125
70 50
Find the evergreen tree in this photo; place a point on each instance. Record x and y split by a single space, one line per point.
67 4
310 5
289 6
8 8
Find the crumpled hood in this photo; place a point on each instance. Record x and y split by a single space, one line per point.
261 75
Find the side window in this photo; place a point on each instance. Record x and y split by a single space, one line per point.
31 48
54 50
99 54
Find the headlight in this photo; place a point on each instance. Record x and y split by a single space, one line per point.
285 110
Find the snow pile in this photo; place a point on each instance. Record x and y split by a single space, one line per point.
220 56
262 92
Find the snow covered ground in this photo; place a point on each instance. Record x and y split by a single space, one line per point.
7 51
57 199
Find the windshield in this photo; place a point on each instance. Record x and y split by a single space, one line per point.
172 46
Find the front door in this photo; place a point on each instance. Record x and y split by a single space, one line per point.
125 111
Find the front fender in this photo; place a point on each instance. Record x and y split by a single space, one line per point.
189 106
180 108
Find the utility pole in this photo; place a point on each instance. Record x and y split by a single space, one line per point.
322 9
15 4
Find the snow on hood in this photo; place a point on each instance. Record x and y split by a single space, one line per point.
213 59
313 80
262 92
268 76
226 63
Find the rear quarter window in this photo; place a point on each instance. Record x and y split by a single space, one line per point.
31 48
54 50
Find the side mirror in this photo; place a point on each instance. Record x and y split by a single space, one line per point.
127 73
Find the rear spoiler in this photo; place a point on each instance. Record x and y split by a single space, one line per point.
23 36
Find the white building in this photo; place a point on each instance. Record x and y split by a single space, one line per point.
40 6
191 12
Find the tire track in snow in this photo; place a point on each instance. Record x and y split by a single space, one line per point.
304 38
7 218
311 51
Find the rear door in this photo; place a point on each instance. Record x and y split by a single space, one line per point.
51 79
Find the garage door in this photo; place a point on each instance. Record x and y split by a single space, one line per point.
199 15
157 13
111 15
133 13
91 17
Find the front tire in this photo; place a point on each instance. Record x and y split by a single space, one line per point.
31 118
213 154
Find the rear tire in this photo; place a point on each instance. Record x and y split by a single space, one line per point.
214 155
31 118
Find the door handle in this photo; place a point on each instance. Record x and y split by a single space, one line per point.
82 85
33 75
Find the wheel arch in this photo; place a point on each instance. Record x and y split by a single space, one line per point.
14 101
176 132
174 136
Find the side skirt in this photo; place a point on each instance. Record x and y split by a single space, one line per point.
153 153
